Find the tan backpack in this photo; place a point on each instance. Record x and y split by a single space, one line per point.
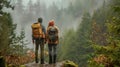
37 30
52 33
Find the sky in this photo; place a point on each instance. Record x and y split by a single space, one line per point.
59 3
48 2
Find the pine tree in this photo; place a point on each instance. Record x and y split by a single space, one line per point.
4 3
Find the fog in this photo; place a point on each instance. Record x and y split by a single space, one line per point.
66 13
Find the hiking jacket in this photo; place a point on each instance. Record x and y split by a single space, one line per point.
57 41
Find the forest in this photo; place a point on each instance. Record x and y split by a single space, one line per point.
89 31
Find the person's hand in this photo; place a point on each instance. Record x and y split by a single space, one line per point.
33 41
45 42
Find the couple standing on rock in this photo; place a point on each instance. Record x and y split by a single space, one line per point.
41 36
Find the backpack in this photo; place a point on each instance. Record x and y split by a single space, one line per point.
52 33
37 30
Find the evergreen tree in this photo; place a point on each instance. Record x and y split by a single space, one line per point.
76 45
6 26
19 44
110 53
4 3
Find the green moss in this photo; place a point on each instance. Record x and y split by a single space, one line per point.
69 63
22 66
11 65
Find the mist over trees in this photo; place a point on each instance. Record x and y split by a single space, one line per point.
63 16
67 14
10 41
96 41
75 45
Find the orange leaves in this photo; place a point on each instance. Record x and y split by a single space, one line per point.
18 60
102 59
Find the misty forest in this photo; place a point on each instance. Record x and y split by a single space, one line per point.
89 32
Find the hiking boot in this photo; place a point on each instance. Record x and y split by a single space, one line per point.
54 59
50 59
42 61
36 61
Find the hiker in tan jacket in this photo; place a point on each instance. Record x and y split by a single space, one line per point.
53 41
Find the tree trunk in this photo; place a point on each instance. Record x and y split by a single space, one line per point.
2 61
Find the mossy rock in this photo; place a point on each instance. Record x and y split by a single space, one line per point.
12 65
69 63
22 66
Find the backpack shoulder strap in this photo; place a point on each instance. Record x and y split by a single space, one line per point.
56 29
48 28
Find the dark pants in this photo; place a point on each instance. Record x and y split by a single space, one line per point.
52 53
39 43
